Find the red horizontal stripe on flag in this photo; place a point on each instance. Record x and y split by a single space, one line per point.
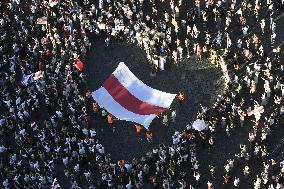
121 95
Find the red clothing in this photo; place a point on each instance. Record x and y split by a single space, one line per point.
95 107
138 128
109 119
149 135
181 96
199 51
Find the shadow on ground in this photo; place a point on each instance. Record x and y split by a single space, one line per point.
201 83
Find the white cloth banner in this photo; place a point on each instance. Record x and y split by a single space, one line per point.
127 98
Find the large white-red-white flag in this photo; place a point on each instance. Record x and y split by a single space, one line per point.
127 98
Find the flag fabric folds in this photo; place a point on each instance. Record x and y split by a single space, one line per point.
37 75
127 98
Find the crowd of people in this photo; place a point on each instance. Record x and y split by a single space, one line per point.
46 106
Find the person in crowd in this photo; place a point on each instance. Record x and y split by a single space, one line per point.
46 106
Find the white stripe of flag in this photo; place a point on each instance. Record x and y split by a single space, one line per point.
128 98
105 100
141 90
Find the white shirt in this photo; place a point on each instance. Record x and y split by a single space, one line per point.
195 166
36 165
8 103
82 150
85 131
93 133
65 161
236 181
2 122
197 176
129 186
6 183
77 168
2 149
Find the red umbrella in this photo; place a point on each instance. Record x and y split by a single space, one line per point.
79 65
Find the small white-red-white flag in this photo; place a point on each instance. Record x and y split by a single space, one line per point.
127 98
53 3
42 20
38 74
34 126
